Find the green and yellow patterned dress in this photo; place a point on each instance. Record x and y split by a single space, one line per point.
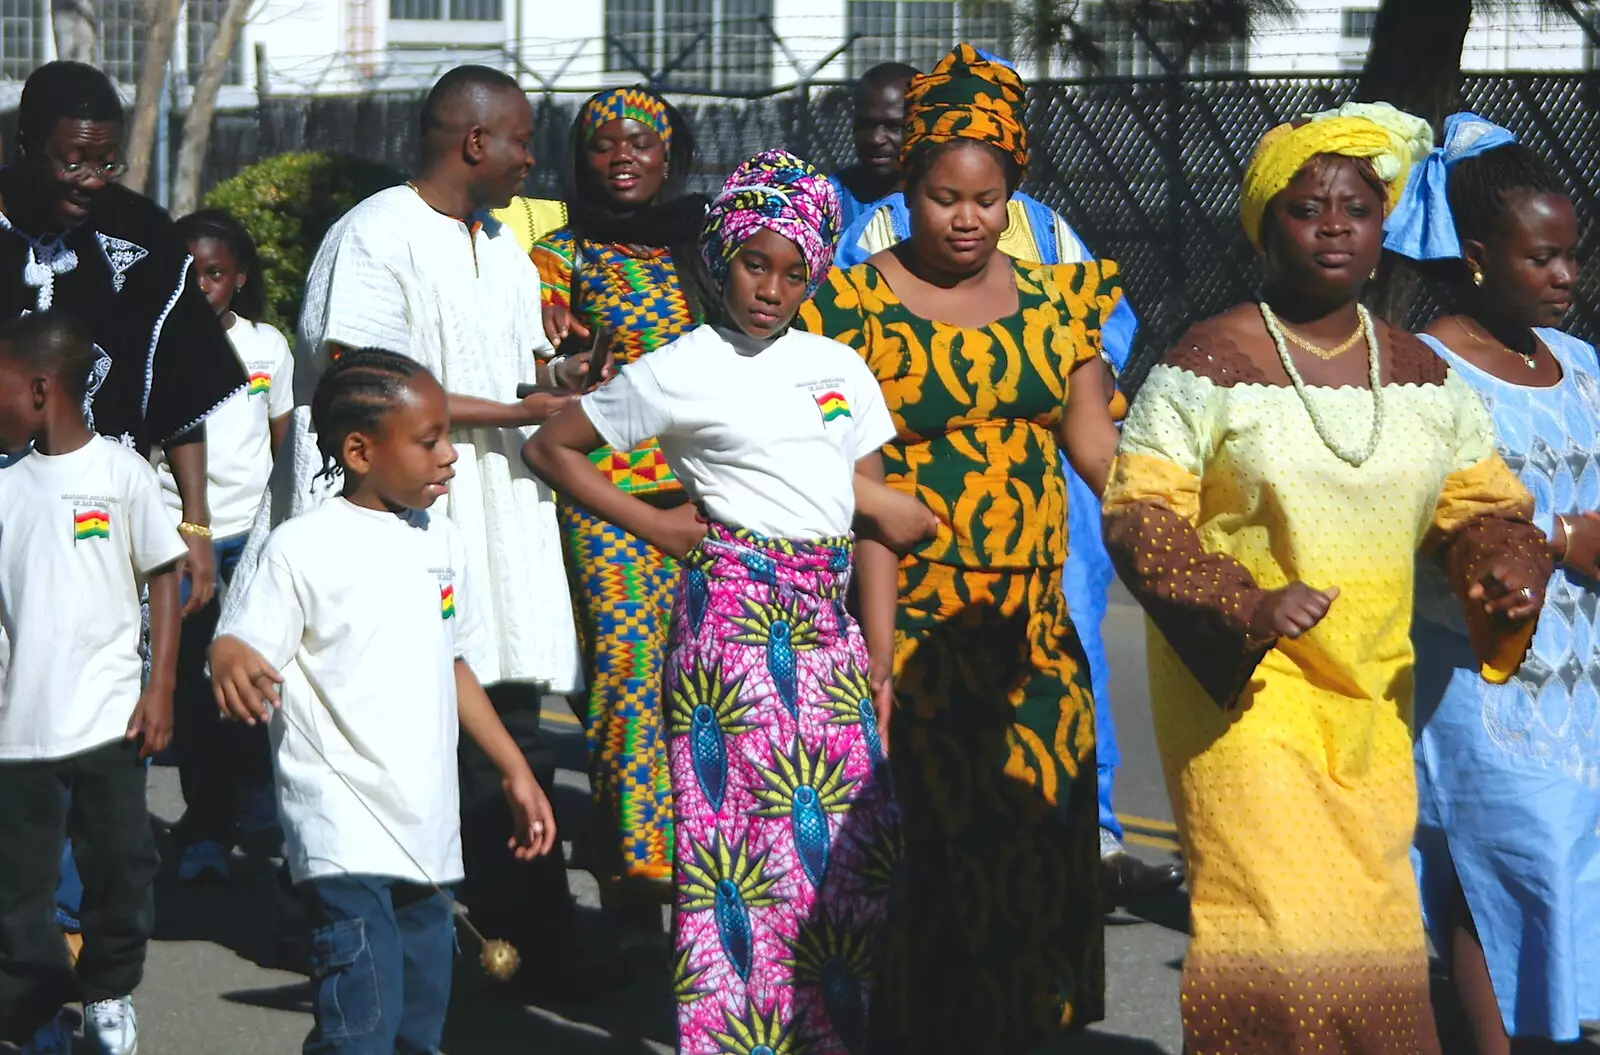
622 586
995 940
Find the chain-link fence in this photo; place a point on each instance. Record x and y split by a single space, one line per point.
1147 171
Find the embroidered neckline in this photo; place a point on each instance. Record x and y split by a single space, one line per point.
48 256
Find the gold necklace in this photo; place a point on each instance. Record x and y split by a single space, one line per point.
1319 351
1529 359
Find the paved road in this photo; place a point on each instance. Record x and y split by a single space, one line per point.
205 992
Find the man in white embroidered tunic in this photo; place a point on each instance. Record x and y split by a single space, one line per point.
423 270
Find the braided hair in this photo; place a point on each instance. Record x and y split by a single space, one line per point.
355 394
1479 187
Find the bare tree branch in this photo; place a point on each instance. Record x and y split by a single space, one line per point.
161 27
203 105
77 30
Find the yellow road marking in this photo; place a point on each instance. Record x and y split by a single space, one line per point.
1147 823
1151 841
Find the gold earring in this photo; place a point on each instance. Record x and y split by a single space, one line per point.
1373 277
1477 277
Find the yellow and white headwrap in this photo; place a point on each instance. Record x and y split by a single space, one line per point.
1391 139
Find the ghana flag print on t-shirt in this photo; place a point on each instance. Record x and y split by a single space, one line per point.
91 523
447 602
833 405
260 383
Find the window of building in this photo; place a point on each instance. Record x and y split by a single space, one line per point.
720 45
22 44
122 31
1356 23
447 10
921 32
204 16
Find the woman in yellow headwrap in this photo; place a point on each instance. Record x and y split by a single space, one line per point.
1278 475
990 366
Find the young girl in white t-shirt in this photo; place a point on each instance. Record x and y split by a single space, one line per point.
225 770
353 624
776 703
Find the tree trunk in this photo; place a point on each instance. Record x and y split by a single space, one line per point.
1415 58
202 105
161 27
1414 63
77 30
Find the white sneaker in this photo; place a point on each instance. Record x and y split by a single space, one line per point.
112 1027
52 1038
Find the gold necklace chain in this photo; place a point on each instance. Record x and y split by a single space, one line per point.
1529 359
1319 351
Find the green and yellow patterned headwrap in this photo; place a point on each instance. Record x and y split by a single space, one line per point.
967 96
627 104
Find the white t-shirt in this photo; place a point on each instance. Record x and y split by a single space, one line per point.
765 439
78 533
364 614
238 440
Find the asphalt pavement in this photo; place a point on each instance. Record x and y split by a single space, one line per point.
207 989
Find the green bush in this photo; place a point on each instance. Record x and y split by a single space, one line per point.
287 203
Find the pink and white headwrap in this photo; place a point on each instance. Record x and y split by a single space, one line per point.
779 192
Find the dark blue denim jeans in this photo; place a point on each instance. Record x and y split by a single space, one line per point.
382 955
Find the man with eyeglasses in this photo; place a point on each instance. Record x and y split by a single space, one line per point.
71 239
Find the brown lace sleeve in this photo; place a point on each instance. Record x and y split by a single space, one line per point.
1481 516
1201 602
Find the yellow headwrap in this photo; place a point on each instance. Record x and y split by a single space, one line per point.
967 96
1391 139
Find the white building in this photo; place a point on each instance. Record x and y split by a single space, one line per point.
336 46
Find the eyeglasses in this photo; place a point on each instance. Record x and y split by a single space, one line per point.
79 171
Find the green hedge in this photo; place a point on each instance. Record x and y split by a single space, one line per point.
287 203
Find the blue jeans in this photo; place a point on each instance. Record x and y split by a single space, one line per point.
382 955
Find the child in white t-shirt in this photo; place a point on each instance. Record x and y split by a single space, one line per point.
353 624
776 703
226 769
82 525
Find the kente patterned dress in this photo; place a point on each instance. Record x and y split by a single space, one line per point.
1289 761
994 940
1509 775
622 586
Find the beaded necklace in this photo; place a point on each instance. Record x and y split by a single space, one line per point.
1355 458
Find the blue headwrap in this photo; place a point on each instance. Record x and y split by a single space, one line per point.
1421 226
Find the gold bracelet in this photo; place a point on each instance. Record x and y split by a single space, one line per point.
195 530
1566 537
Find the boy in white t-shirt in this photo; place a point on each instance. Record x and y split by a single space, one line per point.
82 524
226 769
353 625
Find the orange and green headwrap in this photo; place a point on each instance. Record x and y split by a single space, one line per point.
1391 139
630 104
967 96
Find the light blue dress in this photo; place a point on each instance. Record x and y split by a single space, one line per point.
1509 775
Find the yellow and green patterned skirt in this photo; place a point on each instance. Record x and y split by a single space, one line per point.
995 940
